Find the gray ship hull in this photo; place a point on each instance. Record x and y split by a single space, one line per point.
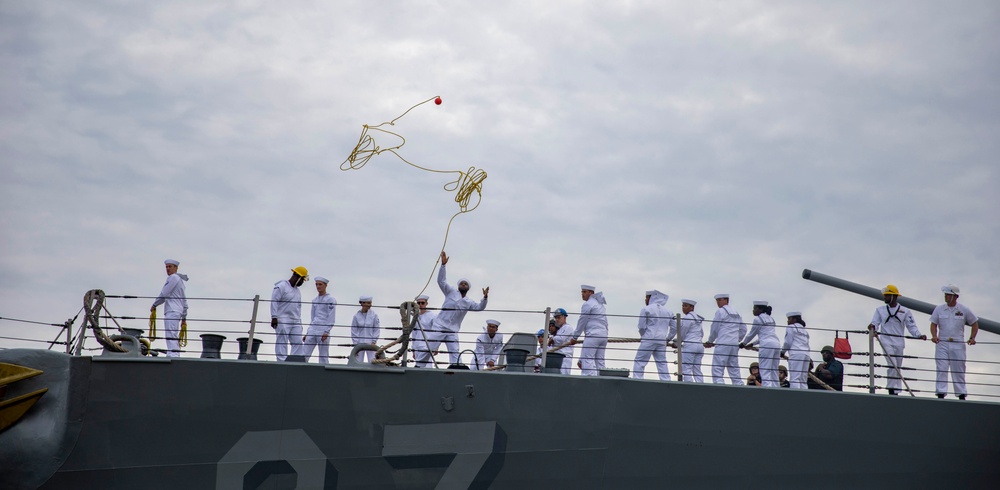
111 422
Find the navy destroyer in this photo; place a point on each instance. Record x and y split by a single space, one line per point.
122 420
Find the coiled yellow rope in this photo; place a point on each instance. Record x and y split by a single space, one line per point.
182 339
467 184
152 324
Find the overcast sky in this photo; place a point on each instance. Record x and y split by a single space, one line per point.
695 148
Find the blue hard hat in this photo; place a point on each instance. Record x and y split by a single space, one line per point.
559 311
541 333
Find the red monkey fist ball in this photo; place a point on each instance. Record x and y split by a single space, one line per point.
437 100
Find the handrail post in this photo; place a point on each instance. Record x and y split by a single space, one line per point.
871 360
69 327
680 353
253 325
545 337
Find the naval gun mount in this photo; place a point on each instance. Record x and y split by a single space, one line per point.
913 304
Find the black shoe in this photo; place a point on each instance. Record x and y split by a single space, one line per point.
961 397
940 395
893 392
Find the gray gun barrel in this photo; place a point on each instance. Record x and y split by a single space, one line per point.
916 305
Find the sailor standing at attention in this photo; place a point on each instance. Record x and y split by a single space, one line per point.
690 335
593 323
488 346
175 306
365 328
562 336
419 335
654 321
763 326
796 347
286 313
893 320
727 330
322 317
449 321
948 323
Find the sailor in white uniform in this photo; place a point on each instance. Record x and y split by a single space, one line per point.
175 306
418 338
690 335
488 346
727 330
449 321
763 326
948 323
890 323
322 317
654 321
365 328
593 324
563 336
796 348
286 313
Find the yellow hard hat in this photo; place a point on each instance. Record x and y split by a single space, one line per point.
301 271
890 289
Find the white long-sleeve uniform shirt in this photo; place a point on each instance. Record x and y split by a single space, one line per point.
893 321
488 349
655 319
951 321
425 322
323 314
727 327
763 326
172 297
455 307
691 330
563 335
285 303
365 327
593 320
796 341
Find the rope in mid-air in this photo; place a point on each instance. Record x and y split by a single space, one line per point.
467 184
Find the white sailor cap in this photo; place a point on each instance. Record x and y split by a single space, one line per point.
460 281
587 287
760 303
492 322
423 297
793 313
950 289
171 262
365 299
722 296
322 280
689 302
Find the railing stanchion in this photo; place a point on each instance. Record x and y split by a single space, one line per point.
680 354
545 338
871 360
253 325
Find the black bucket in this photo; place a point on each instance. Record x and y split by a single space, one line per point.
211 346
243 348
554 362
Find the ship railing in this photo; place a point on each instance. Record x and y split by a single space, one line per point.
870 364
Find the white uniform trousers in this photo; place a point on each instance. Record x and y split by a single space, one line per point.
655 348
434 340
567 365
691 356
287 333
592 354
314 338
893 375
768 359
726 357
798 370
950 356
172 326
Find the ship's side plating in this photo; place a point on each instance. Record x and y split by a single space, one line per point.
193 423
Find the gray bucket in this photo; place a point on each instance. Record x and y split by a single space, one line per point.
516 357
